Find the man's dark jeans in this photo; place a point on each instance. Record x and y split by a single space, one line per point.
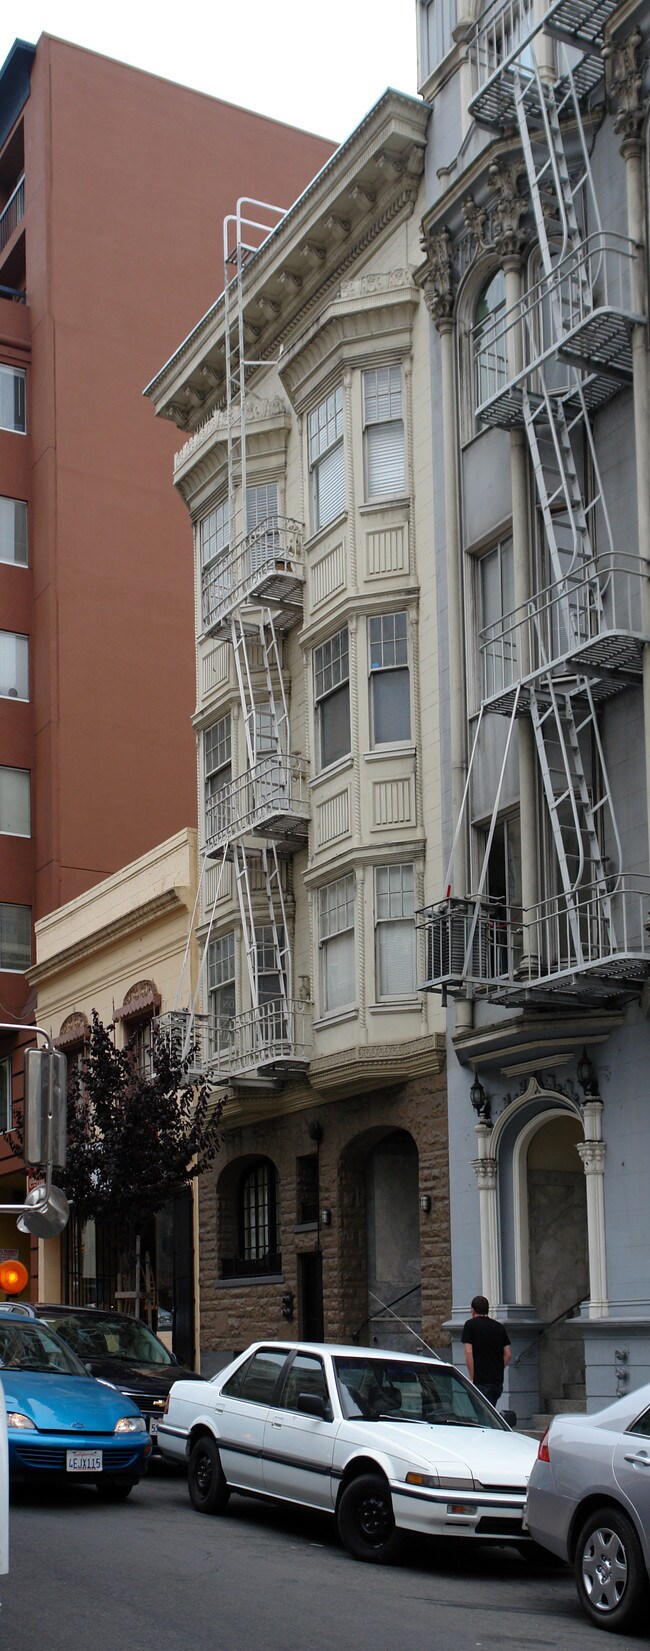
491 1393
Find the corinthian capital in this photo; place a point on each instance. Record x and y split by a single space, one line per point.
593 1156
624 68
485 1170
438 284
510 209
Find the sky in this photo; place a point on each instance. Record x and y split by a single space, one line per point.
316 67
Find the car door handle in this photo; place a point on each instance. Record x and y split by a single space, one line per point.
640 1457
218 1409
276 1424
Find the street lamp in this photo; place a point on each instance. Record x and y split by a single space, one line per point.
586 1075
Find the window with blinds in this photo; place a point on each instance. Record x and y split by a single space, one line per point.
394 932
390 687
336 944
383 428
214 533
332 698
326 459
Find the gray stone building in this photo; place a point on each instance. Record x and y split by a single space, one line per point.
535 277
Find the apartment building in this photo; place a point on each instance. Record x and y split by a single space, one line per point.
113 186
307 479
535 230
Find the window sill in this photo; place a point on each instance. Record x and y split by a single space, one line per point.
386 753
306 1227
322 532
336 1018
335 768
398 1006
394 501
248 1278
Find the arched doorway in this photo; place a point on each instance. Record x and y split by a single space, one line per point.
393 1241
558 1254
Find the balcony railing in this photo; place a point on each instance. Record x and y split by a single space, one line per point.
273 1038
267 565
271 799
591 943
592 619
12 213
581 313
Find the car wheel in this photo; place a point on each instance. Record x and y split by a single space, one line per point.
205 1478
366 1522
115 1493
610 1574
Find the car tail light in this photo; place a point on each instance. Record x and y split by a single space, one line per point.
543 1452
166 1405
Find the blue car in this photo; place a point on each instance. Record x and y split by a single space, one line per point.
61 1422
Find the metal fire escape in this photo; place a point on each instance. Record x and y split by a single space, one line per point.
546 365
251 597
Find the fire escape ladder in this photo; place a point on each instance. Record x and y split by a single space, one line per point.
556 196
572 811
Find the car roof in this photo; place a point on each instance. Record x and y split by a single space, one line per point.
343 1350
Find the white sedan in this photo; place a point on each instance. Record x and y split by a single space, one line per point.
387 1442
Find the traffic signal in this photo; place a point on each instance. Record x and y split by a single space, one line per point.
46 1076
14 1277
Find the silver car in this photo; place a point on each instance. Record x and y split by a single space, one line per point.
589 1502
387 1443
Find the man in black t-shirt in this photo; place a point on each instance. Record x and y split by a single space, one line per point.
487 1350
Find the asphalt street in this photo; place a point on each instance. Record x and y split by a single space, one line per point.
152 1575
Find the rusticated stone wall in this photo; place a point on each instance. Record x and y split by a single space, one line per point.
236 1312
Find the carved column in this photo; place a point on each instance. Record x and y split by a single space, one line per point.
485 1170
592 1152
510 241
439 299
624 83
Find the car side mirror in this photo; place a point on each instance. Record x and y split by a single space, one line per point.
509 1416
313 1404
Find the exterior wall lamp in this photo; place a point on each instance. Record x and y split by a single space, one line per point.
587 1076
480 1101
425 1203
326 1218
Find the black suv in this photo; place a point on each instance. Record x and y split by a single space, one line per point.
121 1350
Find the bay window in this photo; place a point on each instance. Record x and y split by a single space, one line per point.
336 944
326 461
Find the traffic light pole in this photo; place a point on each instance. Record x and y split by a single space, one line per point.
46 1209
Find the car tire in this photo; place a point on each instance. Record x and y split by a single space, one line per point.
366 1522
205 1477
115 1493
610 1574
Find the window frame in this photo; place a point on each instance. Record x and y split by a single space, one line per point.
326 910
326 436
19 377
14 561
222 531
216 987
217 776
333 662
495 278
388 921
258 1224
383 669
4 830
395 420
15 969
496 672
13 693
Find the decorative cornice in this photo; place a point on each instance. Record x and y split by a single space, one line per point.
365 286
350 321
160 906
624 75
369 1065
438 279
214 429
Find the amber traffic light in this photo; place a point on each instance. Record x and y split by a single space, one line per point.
13 1277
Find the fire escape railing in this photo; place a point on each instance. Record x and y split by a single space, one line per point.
270 798
268 564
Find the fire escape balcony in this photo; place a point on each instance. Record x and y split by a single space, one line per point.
585 948
269 800
267 566
501 52
588 624
581 314
271 1041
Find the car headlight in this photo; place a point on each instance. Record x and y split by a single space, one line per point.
15 1418
131 1424
439 1481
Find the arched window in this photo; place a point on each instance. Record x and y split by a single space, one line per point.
488 338
258 1218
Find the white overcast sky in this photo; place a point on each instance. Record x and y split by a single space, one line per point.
320 67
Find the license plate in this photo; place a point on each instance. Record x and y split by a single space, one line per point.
153 1426
84 1461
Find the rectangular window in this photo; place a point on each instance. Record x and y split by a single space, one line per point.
217 775
336 943
503 890
326 459
332 698
395 931
497 636
14 802
390 690
262 507
15 938
14 666
5 1094
214 533
383 428
221 989
12 399
13 531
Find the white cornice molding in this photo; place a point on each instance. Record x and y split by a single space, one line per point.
373 308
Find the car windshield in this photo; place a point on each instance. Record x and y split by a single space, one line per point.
379 1389
109 1335
33 1347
